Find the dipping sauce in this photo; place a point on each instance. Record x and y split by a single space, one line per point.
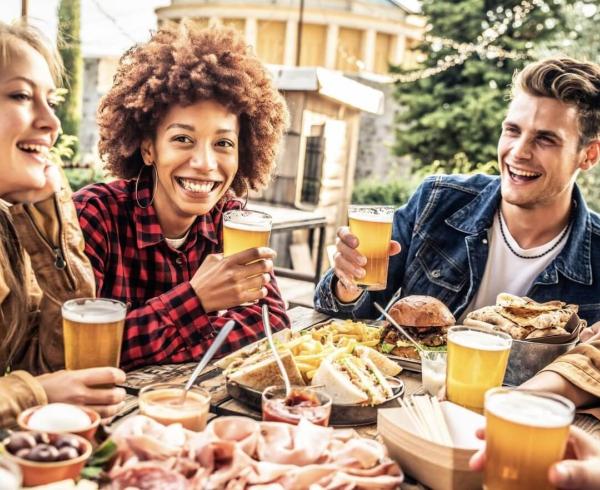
163 403
303 402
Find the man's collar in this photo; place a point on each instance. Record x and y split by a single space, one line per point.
574 260
147 226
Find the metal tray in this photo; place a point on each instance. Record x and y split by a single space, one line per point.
341 415
408 364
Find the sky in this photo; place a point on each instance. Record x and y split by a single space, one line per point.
109 27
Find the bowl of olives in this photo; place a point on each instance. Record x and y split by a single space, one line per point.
46 458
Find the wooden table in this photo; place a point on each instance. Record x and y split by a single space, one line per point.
222 404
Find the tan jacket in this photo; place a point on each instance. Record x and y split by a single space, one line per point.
56 270
581 366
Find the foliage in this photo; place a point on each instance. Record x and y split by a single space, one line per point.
80 177
391 192
69 43
460 109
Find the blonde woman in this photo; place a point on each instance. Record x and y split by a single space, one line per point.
41 247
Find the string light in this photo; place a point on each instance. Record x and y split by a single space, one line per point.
483 47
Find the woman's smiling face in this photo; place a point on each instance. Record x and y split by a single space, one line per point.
195 152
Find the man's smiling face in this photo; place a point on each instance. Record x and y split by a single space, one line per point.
538 151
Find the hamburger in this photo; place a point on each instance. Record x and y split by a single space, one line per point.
426 319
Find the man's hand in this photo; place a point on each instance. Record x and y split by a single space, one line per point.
224 282
580 472
591 334
349 264
78 387
53 184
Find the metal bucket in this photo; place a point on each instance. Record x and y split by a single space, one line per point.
528 358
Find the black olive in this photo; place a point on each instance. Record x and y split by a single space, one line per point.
42 438
20 440
43 453
66 441
67 452
23 453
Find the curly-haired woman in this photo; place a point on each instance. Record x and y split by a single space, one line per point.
192 120
42 262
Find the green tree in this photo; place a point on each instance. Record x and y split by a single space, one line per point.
454 116
69 19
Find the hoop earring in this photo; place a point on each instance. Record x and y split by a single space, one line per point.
247 193
137 181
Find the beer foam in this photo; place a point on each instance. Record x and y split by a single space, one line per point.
249 225
474 339
91 311
372 218
528 409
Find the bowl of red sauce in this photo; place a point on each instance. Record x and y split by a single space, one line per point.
303 402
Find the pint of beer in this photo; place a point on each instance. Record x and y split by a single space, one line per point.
526 432
373 227
244 229
93 332
477 359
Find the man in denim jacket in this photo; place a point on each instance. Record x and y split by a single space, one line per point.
531 222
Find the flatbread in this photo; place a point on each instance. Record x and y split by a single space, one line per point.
547 319
536 333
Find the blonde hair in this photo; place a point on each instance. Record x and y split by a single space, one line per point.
573 82
14 312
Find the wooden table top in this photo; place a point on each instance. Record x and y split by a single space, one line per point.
222 404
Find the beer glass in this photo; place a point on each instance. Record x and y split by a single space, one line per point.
244 229
477 359
526 432
373 227
93 332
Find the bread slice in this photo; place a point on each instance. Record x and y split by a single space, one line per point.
385 365
264 372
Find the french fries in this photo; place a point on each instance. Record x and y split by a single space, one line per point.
333 339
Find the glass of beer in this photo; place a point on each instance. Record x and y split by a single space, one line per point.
373 227
93 332
477 359
244 229
526 432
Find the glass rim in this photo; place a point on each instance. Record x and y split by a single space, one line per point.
496 333
426 353
536 394
81 302
171 386
233 212
271 392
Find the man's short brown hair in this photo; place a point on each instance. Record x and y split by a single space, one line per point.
570 81
183 64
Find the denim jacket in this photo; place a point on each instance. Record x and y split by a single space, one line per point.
443 231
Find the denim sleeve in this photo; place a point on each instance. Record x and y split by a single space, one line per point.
326 301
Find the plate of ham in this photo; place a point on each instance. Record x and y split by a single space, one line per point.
241 453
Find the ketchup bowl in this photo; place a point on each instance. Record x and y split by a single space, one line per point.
304 402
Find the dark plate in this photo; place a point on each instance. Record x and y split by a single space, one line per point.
341 415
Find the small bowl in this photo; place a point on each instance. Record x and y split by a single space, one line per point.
38 473
275 409
87 433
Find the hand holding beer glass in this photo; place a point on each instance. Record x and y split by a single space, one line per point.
526 433
93 332
372 225
477 360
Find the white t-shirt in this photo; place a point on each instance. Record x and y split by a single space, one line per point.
507 273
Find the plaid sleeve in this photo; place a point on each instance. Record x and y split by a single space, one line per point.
174 328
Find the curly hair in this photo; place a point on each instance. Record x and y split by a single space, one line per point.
570 81
180 65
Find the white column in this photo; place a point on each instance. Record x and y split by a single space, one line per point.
398 49
331 46
368 51
251 31
291 37
214 21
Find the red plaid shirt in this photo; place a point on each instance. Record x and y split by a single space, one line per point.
132 263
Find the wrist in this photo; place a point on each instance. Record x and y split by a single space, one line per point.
342 294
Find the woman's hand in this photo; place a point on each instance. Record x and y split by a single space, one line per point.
53 184
580 472
224 282
349 264
79 388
